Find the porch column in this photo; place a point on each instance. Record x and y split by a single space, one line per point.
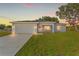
13 28
53 27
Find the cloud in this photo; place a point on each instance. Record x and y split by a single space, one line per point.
28 5
50 13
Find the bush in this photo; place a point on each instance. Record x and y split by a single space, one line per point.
70 28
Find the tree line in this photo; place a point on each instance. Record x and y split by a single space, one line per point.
48 18
3 27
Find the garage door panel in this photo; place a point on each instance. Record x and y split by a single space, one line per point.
24 28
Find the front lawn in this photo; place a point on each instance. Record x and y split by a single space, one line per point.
4 33
52 44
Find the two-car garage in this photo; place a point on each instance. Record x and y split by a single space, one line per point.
25 27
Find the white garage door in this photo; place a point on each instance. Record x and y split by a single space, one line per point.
25 28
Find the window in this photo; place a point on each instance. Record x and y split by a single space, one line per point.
44 28
47 28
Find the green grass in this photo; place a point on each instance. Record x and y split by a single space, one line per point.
4 33
52 44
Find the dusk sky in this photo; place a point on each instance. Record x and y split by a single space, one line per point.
28 11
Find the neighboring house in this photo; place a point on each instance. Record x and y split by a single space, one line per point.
37 27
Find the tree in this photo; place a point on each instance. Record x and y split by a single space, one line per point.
8 28
54 19
48 18
70 12
2 26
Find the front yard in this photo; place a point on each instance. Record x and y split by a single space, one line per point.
4 33
52 44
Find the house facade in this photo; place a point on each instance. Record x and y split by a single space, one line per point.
37 27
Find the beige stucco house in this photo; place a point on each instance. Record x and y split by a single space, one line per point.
37 27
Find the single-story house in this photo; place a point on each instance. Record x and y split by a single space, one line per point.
37 27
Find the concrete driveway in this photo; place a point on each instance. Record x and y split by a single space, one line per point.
9 45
